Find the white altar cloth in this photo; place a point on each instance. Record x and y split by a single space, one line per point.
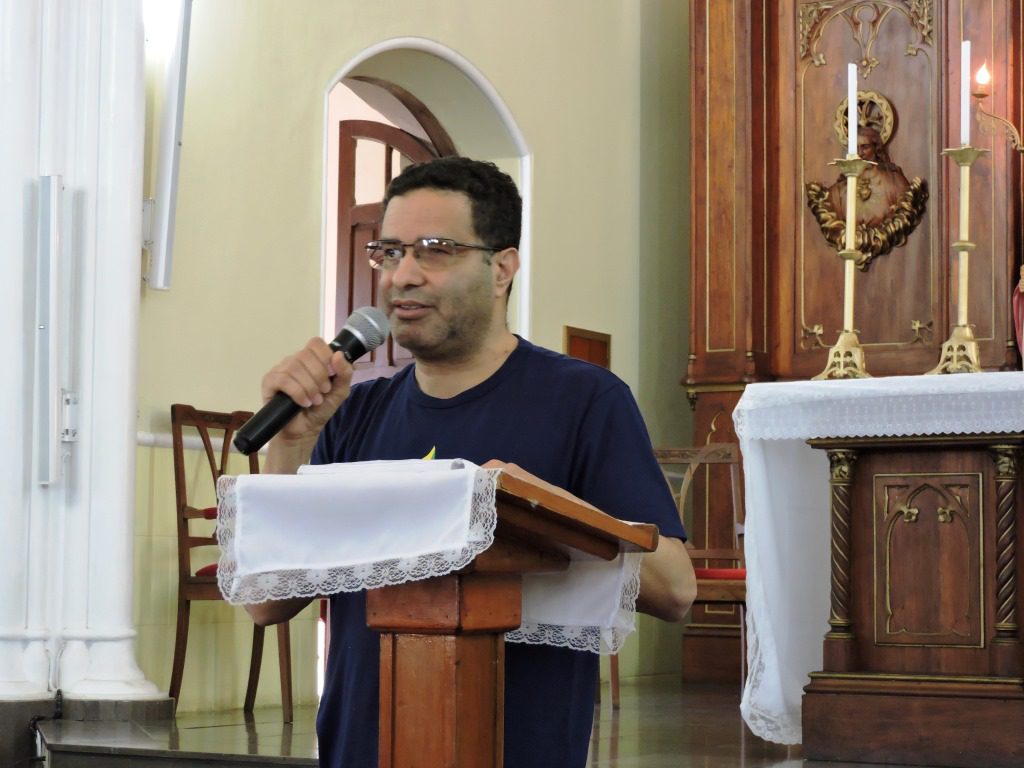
787 507
362 525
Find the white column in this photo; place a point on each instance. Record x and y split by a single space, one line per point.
97 656
23 656
66 565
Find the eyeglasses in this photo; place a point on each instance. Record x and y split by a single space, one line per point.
430 252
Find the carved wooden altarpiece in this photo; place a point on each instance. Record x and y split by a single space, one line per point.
768 84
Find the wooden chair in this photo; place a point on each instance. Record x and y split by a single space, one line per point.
721 575
201 583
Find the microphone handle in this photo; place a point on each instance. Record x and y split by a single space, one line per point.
268 421
278 411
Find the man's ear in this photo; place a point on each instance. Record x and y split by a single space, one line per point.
506 264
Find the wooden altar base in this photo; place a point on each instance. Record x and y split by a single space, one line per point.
949 723
923 661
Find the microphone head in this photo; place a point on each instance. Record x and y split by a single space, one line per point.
370 325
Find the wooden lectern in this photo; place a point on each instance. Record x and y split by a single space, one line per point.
442 648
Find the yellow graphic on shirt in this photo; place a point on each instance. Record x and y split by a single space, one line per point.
431 454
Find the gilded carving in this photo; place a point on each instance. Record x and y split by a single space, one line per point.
910 514
889 207
865 19
811 17
1005 457
810 336
920 329
841 465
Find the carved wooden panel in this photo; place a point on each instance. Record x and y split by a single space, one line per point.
908 57
924 533
928 557
768 87
898 293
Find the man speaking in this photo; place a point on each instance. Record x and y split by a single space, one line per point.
447 255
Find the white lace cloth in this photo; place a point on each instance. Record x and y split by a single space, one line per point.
347 527
787 505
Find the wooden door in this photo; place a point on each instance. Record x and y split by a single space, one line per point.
359 223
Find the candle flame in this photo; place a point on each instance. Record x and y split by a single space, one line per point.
983 77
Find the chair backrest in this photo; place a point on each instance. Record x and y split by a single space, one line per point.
212 427
689 461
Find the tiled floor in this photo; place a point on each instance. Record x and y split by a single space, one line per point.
192 739
661 724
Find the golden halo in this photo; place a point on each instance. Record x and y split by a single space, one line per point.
873 111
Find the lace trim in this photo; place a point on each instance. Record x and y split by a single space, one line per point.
767 724
284 584
595 639
312 583
898 405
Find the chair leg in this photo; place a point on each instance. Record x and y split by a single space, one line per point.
613 674
255 661
180 641
284 661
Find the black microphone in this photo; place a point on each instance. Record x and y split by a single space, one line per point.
365 329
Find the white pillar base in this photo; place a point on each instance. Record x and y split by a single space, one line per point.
24 666
104 669
12 690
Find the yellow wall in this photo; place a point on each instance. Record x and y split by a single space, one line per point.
598 90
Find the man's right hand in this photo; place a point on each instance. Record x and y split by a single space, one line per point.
318 379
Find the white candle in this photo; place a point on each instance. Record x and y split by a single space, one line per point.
851 109
965 93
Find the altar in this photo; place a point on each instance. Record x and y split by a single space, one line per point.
832 578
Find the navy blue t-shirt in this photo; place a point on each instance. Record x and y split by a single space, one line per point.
570 423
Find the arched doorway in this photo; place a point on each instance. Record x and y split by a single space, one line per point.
441 101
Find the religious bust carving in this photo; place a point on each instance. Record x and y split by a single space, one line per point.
889 207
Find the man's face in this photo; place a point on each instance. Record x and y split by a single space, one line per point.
441 315
866 147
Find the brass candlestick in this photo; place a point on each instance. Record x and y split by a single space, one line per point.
846 358
960 352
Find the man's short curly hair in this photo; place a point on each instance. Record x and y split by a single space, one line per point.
496 204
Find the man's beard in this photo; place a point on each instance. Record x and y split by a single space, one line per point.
451 339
